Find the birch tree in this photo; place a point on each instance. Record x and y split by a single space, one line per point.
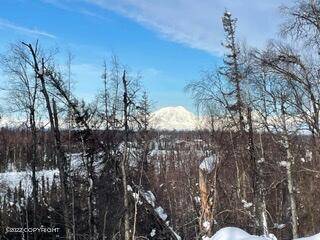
23 91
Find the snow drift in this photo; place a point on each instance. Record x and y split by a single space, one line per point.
233 233
315 237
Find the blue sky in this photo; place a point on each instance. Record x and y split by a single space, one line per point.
168 41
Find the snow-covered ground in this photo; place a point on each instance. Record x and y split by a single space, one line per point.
315 237
13 179
233 233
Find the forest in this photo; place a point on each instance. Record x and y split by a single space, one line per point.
73 169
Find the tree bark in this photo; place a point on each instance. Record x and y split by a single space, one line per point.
207 189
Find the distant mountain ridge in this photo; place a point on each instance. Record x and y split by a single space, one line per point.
168 118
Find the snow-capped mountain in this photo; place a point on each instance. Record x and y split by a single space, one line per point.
174 118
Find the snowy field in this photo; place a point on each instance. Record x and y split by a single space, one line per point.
12 179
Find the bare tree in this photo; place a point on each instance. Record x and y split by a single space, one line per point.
302 22
277 114
39 64
23 92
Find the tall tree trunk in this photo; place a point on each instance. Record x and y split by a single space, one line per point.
91 196
62 164
53 118
262 194
105 95
288 165
33 168
254 173
125 159
293 207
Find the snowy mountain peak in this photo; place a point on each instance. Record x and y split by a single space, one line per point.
174 118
